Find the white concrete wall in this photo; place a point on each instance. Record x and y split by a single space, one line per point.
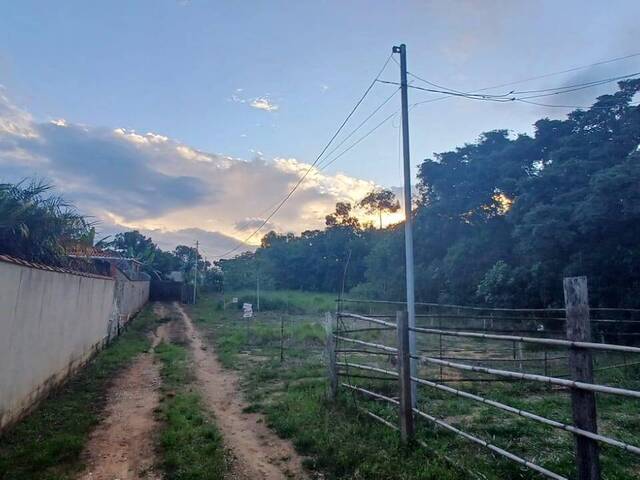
50 324
131 296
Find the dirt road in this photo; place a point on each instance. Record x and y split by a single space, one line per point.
259 453
122 446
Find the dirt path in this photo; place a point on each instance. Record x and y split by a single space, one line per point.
122 446
259 453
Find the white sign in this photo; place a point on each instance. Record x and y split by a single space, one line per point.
234 300
247 310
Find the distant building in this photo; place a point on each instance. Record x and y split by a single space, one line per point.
176 276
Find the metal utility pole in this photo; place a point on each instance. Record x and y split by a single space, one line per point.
408 222
195 273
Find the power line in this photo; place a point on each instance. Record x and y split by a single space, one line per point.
498 98
376 110
474 96
537 77
544 92
562 92
511 96
584 84
571 106
569 70
385 120
299 182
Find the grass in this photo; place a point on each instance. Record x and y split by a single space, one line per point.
191 446
291 301
46 445
339 441
343 443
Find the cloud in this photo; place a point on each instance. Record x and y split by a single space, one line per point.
212 244
251 223
237 99
14 121
172 191
262 103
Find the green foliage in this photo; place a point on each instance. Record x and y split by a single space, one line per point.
38 226
47 444
313 261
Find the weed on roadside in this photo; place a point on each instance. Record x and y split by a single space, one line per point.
191 446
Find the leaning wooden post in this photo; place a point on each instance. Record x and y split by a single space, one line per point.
404 376
330 350
583 403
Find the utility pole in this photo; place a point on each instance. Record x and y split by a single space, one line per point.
195 273
408 222
257 285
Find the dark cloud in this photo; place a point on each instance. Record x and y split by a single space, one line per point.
587 96
103 165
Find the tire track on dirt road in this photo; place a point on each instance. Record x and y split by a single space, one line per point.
259 453
122 446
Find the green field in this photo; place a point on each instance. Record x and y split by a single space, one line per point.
291 301
342 442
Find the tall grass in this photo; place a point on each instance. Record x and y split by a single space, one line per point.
291 301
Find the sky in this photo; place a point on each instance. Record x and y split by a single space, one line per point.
188 119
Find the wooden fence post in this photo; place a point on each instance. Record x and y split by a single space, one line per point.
404 376
330 350
583 403
281 338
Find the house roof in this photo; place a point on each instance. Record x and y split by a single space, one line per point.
98 254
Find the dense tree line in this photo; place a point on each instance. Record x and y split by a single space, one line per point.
159 264
498 221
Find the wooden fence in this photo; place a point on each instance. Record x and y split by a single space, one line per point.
569 329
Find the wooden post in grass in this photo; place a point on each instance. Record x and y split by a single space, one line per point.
281 338
404 377
330 350
583 403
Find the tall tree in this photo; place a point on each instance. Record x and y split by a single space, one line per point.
342 217
380 201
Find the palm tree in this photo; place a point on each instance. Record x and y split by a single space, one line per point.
37 226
